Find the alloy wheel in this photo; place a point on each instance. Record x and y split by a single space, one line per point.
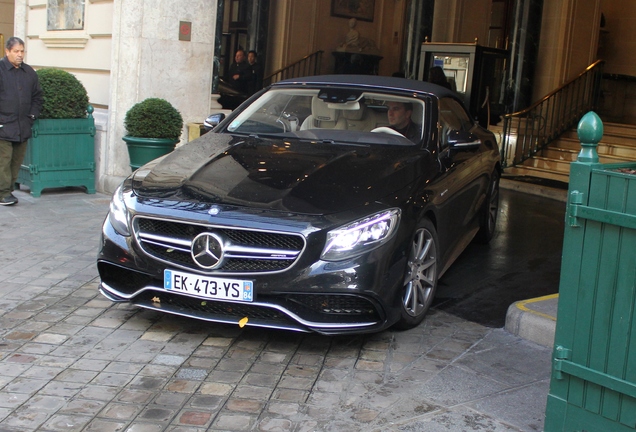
421 275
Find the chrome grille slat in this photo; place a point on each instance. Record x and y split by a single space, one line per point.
246 251
167 245
158 239
263 253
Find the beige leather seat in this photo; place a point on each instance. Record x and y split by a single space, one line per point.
360 119
380 118
323 117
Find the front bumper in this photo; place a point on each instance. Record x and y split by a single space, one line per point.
325 314
358 296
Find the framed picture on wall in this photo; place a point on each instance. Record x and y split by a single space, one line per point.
65 15
358 9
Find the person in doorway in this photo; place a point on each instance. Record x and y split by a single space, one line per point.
437 76
256 81
20 103
399 116
239 72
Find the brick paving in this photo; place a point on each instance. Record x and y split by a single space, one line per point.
70 360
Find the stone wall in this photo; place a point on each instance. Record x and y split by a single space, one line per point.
568 43
618 40
617 103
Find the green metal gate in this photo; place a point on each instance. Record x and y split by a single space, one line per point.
594 360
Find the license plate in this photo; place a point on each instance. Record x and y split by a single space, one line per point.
208 287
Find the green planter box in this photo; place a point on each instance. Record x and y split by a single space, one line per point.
60 153
143 150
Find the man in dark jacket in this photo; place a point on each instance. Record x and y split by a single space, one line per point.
20 103
399 116
256 81
239 72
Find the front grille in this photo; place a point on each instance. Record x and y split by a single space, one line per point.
254 251
124 280
326 308
212 308
337 304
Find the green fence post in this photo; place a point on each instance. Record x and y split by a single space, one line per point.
590 132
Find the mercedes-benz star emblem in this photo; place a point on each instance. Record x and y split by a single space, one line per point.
207 250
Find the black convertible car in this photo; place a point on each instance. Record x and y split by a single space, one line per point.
306 210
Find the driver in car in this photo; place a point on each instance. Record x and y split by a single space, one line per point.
399 116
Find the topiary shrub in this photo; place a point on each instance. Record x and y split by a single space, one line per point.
64 95
153 118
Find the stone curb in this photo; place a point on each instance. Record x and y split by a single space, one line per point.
534 319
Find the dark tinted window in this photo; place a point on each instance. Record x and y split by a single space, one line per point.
452 116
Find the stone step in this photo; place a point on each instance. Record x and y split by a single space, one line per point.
613 134
549 164
558 153
617 145
531 171
570 155
575 144
627 152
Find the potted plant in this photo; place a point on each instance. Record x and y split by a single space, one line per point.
153 128
61 151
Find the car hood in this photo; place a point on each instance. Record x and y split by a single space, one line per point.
286 175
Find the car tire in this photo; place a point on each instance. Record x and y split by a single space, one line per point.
489 211
420 279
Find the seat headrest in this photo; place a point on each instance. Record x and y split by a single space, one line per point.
322 112
355 114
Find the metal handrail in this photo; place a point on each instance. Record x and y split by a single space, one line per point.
306 66
527 132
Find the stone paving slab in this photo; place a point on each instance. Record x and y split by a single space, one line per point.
70 360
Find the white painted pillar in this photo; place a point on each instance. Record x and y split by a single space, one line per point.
149 60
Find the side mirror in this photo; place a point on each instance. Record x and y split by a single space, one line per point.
462 140
212 121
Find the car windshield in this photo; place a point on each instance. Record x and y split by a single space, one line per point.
342 115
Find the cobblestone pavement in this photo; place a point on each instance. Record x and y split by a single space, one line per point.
70 360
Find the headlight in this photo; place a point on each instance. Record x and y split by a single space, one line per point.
360 236
118 215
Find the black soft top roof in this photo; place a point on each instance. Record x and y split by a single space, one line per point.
372 81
